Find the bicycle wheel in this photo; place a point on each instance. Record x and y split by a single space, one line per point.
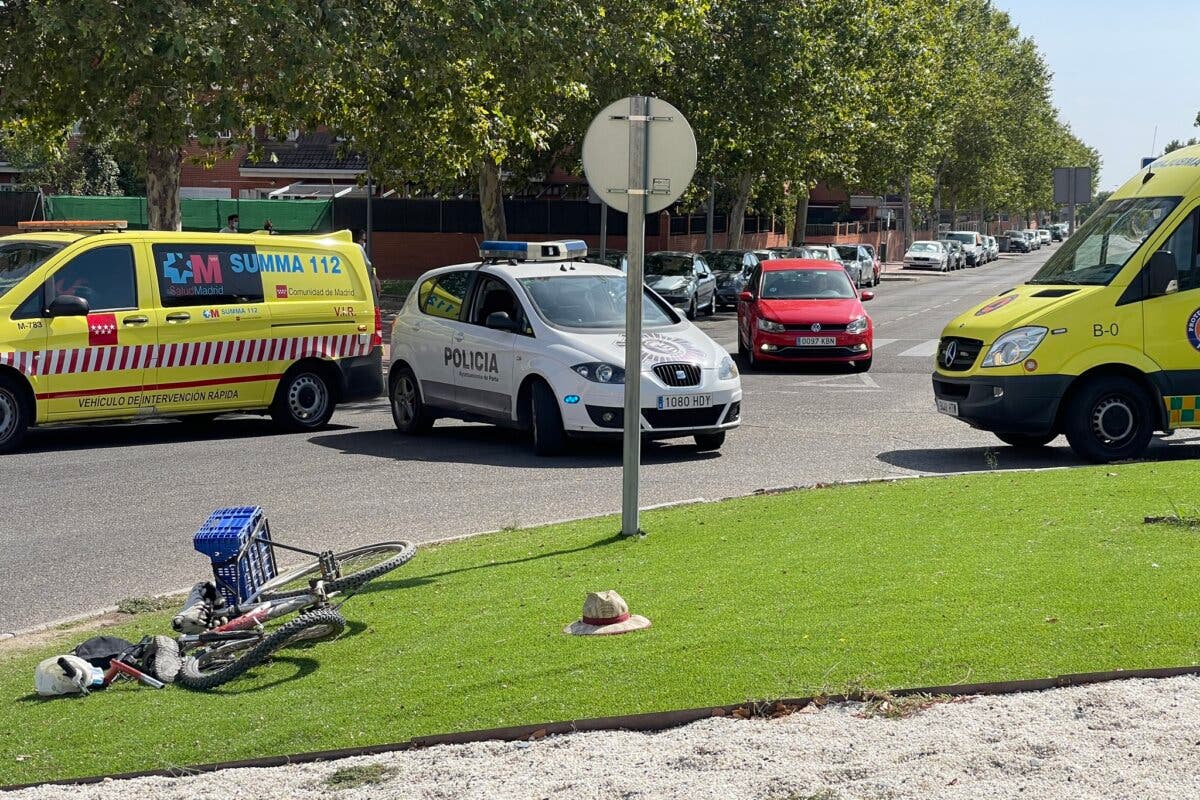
357 566
221 664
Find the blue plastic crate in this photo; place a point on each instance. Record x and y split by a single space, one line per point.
241 563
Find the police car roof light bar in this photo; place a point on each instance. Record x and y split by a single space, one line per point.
73 225
567 250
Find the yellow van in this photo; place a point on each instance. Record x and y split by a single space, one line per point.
1102 344
99 323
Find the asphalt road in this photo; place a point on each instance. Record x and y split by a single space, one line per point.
96 514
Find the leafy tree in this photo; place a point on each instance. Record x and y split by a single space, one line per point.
53 164
159 73
1179 144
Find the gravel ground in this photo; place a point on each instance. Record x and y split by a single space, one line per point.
1126 739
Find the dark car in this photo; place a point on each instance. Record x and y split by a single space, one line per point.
612 258
956 252
731 268
1018 242
683 280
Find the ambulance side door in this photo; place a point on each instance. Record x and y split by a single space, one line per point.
1171 326
95 362
213 328
482 356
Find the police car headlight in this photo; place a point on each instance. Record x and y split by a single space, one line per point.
1014 347
770 325
599 372
857 325
727 370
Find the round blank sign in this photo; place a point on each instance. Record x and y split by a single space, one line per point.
670 151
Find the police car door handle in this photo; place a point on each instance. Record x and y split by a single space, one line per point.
138 320
179 316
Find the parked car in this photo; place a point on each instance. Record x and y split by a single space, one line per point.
877 265
617 259
958 255
683 279
1044 235
765 255
732 269
804 310
1035 241
927 255
972 244
1018 242
859 264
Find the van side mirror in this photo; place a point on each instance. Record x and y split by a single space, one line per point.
68 305
1161 274
500 321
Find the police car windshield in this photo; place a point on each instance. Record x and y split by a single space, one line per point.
1105 243
806 284
668 264
19 259
590 301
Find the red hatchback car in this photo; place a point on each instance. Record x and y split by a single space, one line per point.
804 311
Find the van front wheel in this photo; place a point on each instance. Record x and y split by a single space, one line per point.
1108 418
304 400
14 415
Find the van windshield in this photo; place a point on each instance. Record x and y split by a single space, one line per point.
19 259
1105 243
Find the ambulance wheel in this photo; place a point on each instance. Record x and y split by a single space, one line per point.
1108 418
549 439
408 409
14 414
304 399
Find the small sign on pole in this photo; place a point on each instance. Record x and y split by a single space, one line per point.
639 155
1072 185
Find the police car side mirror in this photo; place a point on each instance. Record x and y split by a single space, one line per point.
68 305
500 321
1162 274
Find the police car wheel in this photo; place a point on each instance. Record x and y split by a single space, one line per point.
408 410
1108 418
303 402
14 415
549 439
709 441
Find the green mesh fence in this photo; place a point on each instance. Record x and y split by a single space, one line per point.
286 216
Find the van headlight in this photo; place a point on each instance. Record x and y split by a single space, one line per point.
727 369
599 372
857 325
1014 347
770 326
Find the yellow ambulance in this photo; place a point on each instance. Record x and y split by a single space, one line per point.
101 323
1102 344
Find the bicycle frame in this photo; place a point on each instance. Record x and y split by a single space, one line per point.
247 625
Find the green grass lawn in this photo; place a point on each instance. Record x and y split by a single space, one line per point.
924 582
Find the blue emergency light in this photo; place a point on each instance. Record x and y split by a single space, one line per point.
566 250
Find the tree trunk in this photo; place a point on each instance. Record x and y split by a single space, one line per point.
801 216
491 201
906 211
737 213
162 188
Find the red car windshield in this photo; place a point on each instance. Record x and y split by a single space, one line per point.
806 284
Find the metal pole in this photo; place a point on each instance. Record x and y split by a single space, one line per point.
1071 204
603 230
639 110
712 204
370 192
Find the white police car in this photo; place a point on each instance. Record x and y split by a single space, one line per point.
532 337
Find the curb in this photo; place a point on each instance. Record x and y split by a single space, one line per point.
649 722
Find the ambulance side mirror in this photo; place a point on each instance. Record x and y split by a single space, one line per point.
1162 274
68 305
500 321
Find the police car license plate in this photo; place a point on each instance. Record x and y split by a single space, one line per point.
816 341
667 402
948 407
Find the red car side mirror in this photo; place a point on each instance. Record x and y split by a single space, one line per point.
746 296
865 296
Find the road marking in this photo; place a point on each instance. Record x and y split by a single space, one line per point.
922 350
878 343
859 381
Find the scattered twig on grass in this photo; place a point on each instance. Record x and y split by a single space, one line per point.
890 706
1173 520
359 775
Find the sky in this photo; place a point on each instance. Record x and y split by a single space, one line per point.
1121 67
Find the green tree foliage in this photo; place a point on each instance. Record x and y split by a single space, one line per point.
1179 144
158 73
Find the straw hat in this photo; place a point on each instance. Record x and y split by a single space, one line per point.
606 613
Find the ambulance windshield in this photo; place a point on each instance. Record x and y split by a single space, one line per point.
1105 243
590 301
19 259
